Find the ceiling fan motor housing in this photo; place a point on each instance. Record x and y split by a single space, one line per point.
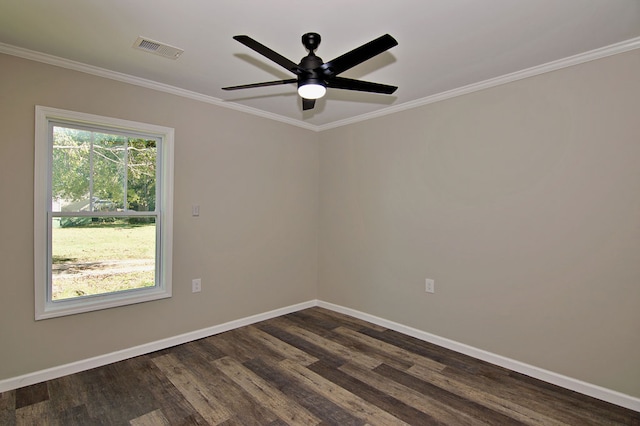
311 41
309 64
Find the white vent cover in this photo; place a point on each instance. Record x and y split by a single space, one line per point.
158 48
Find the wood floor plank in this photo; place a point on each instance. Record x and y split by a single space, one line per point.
257 347
502 405
356 405
390 353
166 396
78 415
32 394
451 359
317 324
198 351
35 415
571 405
302 344
7 408
117 382
339 319
198 393
584 406
373 395
226 391
428 404
357 345
206 348
339 350
535 399
264 393
68 407
277 345
318 405
232 344
154 418
69 391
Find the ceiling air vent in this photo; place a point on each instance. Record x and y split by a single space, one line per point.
157 48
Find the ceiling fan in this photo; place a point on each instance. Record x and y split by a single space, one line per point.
314 76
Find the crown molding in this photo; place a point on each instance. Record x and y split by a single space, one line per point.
580 58
142 82
570 61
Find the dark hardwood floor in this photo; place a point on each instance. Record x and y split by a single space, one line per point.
310 367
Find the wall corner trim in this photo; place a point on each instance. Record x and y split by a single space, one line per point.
570 383
101 360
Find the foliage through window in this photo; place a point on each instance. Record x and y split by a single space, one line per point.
106 195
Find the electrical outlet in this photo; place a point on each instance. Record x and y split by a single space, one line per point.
195 210
196 285
430 285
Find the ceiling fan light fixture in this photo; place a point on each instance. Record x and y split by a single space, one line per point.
314 76
312 90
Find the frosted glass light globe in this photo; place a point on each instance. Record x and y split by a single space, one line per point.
312 91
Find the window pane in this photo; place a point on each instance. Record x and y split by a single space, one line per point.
102 172
101 255
108 172
141 175
70 169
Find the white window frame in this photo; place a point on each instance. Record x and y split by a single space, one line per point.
44 306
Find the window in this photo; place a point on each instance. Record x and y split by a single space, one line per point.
102 212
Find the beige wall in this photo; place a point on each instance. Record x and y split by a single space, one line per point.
254 244
521 201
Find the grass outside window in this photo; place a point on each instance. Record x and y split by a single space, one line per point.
102 257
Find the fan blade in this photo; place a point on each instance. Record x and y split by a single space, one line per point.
265 84
360 85
268 53
308 103
358 55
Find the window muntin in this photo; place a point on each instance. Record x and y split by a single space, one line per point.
102 210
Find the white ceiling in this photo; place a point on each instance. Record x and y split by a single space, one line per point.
443 44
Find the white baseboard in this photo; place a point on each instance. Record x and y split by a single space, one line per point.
585 388
99 361
589 389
